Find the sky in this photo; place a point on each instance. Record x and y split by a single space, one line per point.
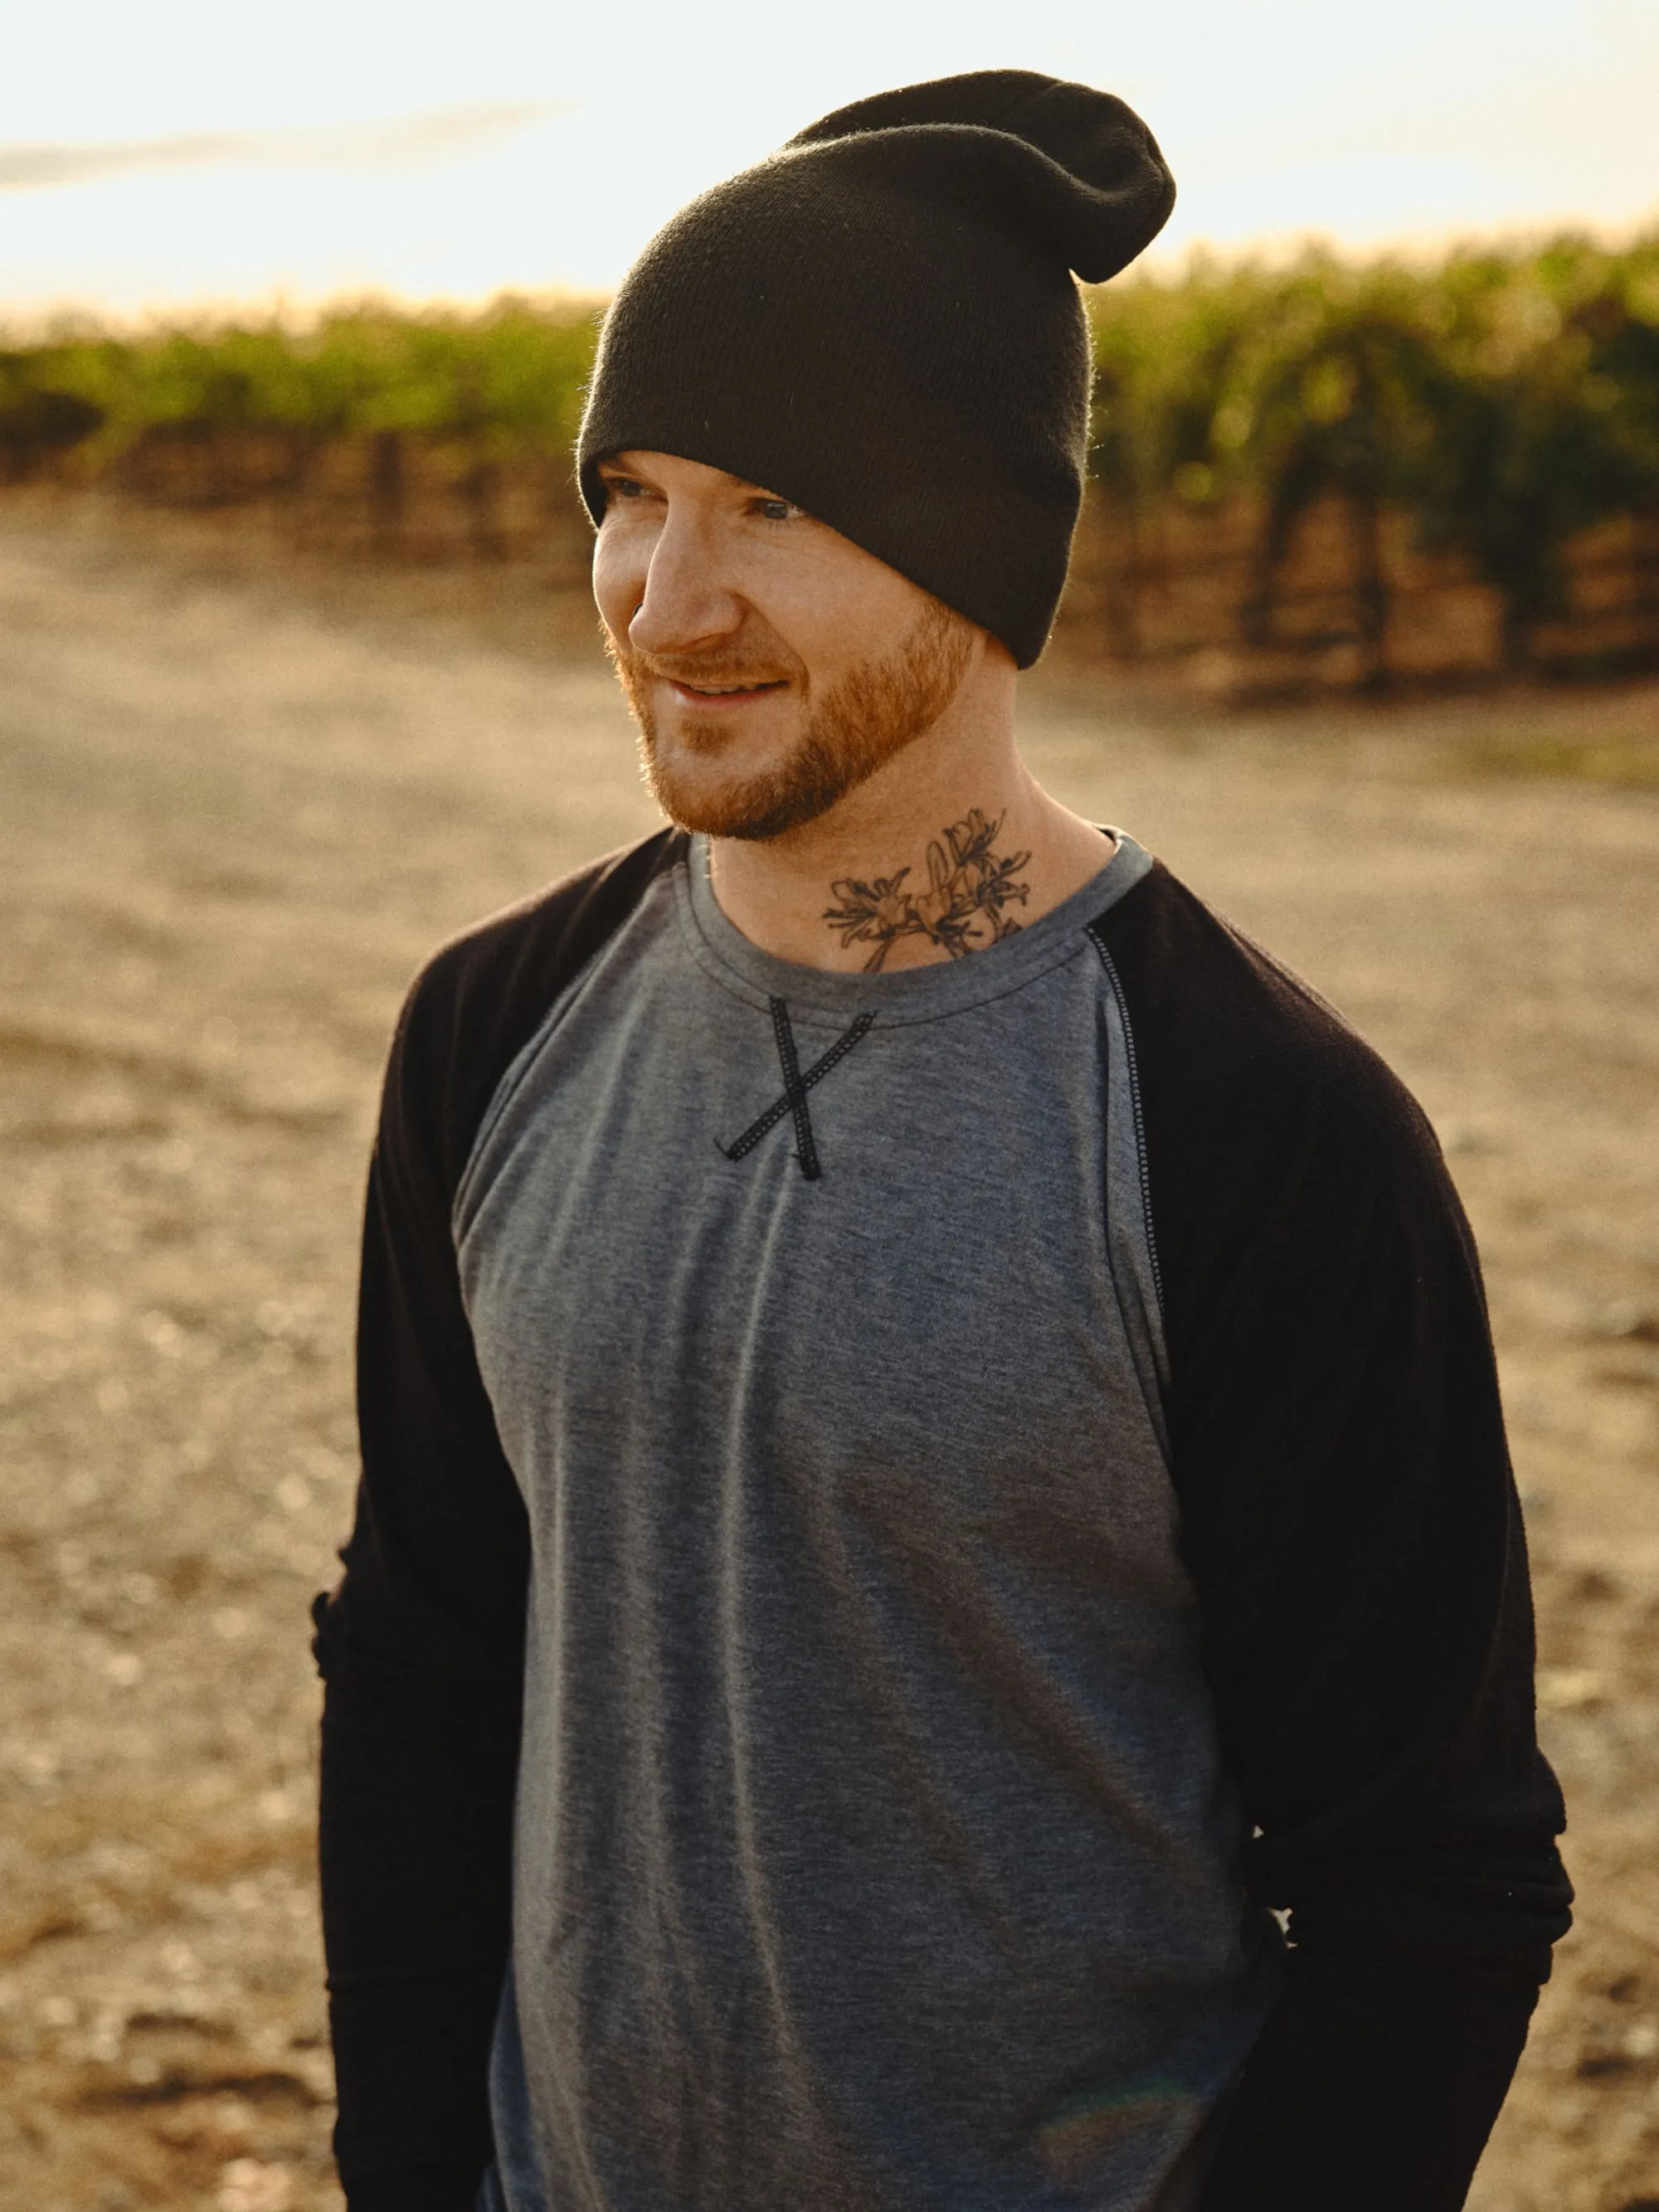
176 154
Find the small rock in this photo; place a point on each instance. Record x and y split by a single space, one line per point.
1627 1321
1571 1689
247 2184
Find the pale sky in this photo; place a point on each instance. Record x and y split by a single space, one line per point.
165 155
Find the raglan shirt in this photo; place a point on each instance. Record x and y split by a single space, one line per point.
1001 1469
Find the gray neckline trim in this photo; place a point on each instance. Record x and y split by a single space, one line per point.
913 994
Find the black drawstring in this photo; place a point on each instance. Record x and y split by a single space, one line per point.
795 1091
795 1088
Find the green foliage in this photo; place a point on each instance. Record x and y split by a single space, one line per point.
1503 400
36 418
506 381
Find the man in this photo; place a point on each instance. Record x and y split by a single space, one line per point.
932 1464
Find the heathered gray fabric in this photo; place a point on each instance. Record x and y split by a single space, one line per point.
872 1851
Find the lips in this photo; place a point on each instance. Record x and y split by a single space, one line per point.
719 694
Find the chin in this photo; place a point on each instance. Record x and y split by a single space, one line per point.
752 814
696 796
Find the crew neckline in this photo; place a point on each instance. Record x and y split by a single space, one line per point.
910 994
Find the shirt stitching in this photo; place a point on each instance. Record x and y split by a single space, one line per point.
1092 930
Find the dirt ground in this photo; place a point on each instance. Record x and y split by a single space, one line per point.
239 799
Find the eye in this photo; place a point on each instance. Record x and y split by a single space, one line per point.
774 510
624 487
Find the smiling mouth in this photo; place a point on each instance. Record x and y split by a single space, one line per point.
722 694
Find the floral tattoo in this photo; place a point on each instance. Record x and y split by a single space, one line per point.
962 909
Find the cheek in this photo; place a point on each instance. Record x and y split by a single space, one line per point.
620 564
839 623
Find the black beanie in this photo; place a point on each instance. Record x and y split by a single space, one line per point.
879 324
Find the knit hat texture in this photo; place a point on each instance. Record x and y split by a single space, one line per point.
879 324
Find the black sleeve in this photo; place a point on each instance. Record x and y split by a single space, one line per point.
421 1645
1350 1525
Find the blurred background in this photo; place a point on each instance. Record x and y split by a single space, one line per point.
298 673
178 155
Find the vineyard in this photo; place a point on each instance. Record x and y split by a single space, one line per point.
1336 472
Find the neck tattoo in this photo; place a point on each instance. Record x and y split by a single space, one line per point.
969 885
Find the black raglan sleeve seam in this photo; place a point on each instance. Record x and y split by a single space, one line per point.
1138 1110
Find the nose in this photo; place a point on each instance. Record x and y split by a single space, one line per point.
686 604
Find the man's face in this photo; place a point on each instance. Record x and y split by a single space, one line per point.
771 664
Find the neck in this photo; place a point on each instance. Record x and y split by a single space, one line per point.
948 847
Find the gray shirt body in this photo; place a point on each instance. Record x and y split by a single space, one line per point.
873 1849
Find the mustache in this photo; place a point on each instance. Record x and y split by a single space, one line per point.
723 670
